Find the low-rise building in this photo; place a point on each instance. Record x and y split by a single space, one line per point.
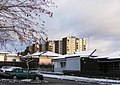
78 61
10 59
13 57
3 56
45 57
109 64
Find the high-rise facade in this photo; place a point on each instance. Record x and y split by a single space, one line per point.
82 44
65 46
49 46
54 46
36 47
58 46
73 44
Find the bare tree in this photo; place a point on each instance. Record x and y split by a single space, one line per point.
20 20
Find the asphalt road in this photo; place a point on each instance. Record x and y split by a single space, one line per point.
47 81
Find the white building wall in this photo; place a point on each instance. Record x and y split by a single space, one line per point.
6 57
13 58
58 68
2 56
73 63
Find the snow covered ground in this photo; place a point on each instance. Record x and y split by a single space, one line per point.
71 78
84 79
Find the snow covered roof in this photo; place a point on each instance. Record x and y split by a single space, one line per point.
62 56
4 52
47 53
97 53
36 54
113 55
100 57
13 54
86 53
81 54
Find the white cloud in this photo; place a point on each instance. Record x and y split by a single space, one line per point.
98 19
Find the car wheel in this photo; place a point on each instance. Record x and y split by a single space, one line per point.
14 77
37 78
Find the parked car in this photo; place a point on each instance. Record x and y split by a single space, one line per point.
4 69
18 73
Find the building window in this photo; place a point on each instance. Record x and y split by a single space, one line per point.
63 64
14 60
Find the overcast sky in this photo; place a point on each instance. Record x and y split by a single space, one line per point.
96 20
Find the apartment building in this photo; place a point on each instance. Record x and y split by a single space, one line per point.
50 46
80 44
54 46
58 46
65 46
33 48
73 44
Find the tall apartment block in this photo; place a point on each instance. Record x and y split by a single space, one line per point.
65 46
54 46
49 46
58 46
36 47
73 44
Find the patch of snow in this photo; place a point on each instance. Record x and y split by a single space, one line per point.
26 80
83 79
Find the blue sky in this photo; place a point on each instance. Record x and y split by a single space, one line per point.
97 19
